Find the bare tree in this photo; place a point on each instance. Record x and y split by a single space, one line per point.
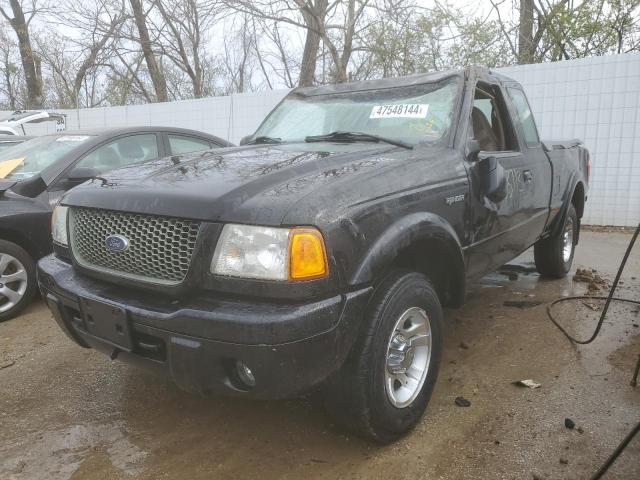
259 55
156 74
334 23
136 51
237 58
183 29
126 80
314 13
309 15
624 23
9 71
525 36
75 61
20 21
551 30
278 59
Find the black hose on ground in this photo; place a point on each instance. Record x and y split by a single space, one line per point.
616 453
608 299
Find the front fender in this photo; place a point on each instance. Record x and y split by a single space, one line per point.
409 231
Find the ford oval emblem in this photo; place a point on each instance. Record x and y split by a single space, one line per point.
116 243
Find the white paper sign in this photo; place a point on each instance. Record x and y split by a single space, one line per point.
407 110
72 138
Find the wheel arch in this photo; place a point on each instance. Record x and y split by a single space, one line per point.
578 199
422 242
21 240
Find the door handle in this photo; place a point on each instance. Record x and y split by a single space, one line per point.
527 175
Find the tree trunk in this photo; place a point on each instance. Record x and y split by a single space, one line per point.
310 53
525 37
157 76
341 72
7 79
29 63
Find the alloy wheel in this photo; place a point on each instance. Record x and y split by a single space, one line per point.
13 281
408 357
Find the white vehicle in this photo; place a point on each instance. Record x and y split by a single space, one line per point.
9 123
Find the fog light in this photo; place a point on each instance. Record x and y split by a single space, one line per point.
245 374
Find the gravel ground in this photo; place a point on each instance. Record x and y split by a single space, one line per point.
68 413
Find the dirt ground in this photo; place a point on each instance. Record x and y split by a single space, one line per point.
69 413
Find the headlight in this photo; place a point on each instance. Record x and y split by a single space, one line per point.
59 225
270 253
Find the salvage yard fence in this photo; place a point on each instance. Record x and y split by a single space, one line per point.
594 99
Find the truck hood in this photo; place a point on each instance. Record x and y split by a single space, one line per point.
255 184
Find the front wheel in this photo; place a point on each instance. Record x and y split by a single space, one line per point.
383 388
554 255
17 279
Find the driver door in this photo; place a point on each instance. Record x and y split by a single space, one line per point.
499 230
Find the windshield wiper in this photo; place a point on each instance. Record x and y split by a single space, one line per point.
356 137
264 139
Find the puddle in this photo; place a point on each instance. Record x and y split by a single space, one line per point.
57 454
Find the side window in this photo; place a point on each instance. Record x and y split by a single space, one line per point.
491 124
182 144
122 152
525 117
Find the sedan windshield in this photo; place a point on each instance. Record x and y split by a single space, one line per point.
412 114
5 145
31 157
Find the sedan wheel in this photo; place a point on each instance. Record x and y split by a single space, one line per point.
17 279
13 282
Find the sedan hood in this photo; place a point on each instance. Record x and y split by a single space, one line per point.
256 184
6 184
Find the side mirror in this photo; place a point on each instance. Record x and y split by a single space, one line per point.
244 140
82 174
493 179
473 149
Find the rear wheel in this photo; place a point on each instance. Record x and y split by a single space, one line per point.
17 279
554 255
383 388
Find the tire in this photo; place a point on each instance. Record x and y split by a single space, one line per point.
554 255
17 266
363 394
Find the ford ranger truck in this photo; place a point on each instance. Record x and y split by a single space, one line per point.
320 252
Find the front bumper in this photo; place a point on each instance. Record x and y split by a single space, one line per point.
196 341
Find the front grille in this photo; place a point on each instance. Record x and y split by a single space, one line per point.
159 251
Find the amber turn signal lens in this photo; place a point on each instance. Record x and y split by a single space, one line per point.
307 256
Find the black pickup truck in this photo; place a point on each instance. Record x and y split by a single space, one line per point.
322 250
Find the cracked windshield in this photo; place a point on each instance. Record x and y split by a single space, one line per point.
413 114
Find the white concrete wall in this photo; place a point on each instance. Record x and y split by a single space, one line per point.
598 101
594 99
230 117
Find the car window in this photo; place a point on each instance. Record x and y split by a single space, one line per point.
122 152
525 117
490 123
182 144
